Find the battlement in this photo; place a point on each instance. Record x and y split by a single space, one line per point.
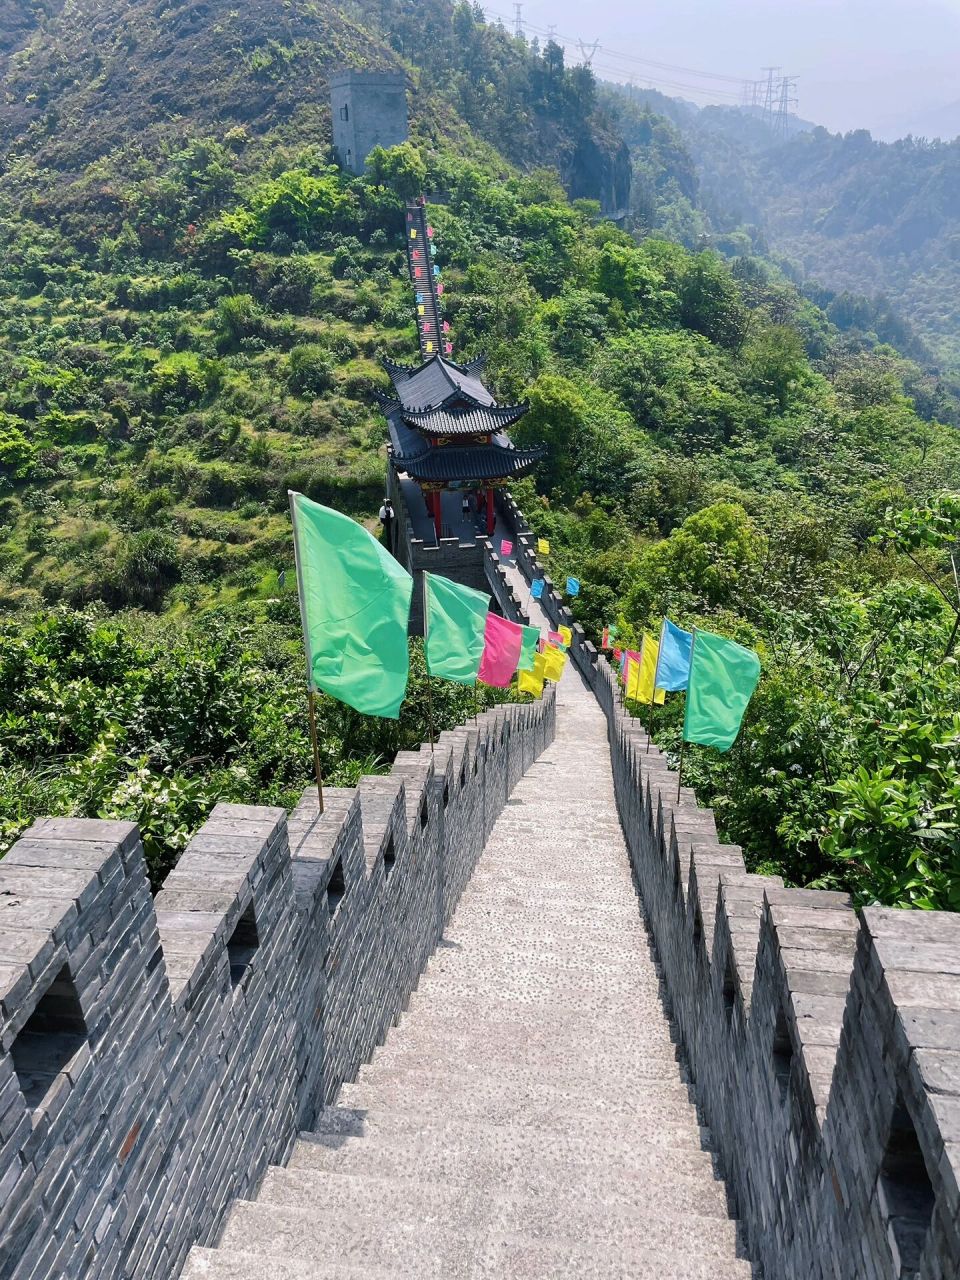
157 1055
823 1043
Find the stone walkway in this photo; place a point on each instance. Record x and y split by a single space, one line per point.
527 1118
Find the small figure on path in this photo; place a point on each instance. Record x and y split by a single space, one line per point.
387 517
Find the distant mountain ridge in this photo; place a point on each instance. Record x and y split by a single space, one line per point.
844 210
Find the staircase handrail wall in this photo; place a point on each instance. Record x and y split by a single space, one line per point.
823 1042
200 1061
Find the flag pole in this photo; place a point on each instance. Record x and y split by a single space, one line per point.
433 734
683 739
653 691
426 666
316 747
311 693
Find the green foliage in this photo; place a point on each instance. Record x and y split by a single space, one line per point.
118 718
402 168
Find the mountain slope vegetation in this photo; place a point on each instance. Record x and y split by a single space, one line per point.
856 216
191 322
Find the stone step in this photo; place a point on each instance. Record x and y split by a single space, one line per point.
504 1259
513 1096
465 1048
549 1007
442 1233
228 1264
591 1139
524 1155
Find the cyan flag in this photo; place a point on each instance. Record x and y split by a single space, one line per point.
573 586
673 662
536 588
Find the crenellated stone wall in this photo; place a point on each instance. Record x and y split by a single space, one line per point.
156 1055
823 1043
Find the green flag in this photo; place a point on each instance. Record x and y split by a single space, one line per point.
528 648
454 619
723 676
355 607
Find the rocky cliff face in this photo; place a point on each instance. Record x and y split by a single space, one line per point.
600 169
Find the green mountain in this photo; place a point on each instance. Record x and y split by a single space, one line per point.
194 303
857 217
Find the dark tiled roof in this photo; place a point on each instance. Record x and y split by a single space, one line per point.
451 462
435 383
477 462
466 422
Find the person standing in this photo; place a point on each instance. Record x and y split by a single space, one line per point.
387 518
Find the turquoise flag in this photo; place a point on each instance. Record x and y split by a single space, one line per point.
454 621
673 662
355 607
723 676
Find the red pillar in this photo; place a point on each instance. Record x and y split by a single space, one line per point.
437 508
491 518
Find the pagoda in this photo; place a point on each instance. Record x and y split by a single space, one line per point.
448 435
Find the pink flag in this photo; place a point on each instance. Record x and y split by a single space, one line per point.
449 348
439 288
555 637
506 547
501 651
430 232
446 326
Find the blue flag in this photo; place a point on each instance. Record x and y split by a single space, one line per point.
536 588
673 660
573 586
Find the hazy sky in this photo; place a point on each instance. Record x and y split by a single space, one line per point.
885 65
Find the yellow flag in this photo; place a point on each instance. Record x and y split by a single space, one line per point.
543 546
532 681
646 670
554 662
566 635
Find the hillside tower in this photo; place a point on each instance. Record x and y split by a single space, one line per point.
369 110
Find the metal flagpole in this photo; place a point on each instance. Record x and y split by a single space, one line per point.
653 692
316 747
426 628
311 693
683 740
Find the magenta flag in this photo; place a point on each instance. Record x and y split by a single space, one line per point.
506 548
501 652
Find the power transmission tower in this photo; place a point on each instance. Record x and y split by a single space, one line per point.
518 10
552 31
771 93
588 52
788 100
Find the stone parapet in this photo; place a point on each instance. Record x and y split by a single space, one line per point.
157 1055
823 1043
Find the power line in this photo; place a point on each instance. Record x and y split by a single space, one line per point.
768 95
629 57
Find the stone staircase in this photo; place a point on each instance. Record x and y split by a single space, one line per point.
528 1117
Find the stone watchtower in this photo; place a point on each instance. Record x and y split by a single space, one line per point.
369 110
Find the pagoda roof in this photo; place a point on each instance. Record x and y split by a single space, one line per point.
436 383
471 421
469 462
440 464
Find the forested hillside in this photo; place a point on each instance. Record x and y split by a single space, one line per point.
190 324
853 215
